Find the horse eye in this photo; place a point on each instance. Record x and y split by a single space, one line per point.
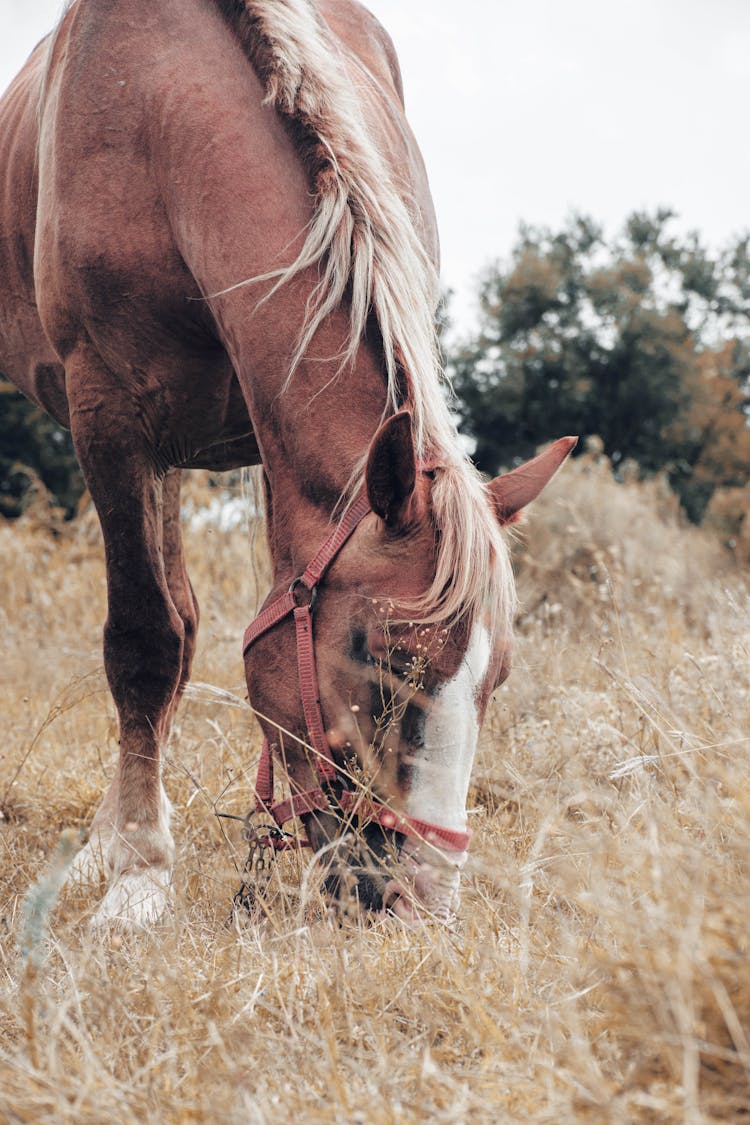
399 666
395 663
359 651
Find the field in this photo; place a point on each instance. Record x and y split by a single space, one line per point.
600 971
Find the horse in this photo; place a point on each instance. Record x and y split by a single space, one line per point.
218 249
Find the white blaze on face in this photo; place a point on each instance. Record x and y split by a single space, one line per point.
441 769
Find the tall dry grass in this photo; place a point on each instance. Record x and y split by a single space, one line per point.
600 971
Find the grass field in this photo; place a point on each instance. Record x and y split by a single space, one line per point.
601 968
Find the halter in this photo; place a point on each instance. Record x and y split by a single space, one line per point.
299 602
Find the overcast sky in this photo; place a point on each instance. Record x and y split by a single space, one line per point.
529 109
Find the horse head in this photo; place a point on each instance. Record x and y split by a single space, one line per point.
397 693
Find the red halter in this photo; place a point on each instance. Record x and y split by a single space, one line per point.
316 800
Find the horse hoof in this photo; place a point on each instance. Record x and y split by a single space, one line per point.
135 901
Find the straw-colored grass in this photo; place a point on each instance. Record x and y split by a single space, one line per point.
600 970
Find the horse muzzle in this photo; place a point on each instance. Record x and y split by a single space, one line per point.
426 886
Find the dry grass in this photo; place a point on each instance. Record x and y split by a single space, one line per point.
601 969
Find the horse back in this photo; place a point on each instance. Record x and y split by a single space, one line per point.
163 177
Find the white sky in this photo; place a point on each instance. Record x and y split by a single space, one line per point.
528 109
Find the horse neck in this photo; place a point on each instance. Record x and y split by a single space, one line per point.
318 440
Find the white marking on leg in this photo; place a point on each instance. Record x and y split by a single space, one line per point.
91 864
139 891
135 901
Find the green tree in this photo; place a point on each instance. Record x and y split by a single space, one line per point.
33 446
581 335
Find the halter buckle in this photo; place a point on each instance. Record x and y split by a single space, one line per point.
312 591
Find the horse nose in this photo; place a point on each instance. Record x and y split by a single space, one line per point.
399 900
425 887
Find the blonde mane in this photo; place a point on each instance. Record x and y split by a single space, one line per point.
364 242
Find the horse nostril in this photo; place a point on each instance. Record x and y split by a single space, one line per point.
424 888
399 900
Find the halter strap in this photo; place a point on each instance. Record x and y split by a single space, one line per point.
302 611
293 603
271 614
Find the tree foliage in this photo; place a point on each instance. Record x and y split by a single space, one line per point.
34 448
643 340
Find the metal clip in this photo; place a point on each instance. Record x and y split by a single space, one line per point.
313 592
257 869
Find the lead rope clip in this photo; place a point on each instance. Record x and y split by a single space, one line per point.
263 843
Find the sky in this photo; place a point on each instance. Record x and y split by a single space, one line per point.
528 110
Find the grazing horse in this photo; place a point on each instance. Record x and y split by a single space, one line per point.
218 249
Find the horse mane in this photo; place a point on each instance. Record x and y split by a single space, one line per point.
363 239
364 242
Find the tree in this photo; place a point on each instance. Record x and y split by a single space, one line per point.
711 436
642 340
33 446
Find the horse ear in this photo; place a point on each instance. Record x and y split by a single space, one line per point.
513 491
391 467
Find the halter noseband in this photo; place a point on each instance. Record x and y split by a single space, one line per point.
295 603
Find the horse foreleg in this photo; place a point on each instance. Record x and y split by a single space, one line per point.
91 861
143 649
180 588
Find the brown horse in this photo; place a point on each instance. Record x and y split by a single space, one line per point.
218 249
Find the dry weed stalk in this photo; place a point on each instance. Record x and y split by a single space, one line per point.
602 970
